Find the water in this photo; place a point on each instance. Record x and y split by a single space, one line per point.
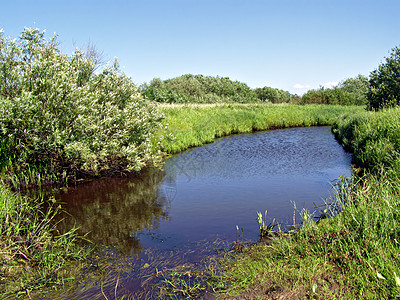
203 195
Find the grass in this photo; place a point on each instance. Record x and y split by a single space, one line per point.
32 254
194 125
353 254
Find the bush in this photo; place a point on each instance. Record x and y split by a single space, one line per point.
58 116
268 94
198 89
384 90
349 92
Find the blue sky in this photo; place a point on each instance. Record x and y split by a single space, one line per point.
292 45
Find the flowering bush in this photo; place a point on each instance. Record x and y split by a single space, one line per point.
58 115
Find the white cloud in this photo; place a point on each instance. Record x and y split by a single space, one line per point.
330 84
301 86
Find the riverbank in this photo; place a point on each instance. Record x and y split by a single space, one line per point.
352 254
33 254
193 125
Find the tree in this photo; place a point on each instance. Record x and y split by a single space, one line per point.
198 89
357 87
384 89
269 94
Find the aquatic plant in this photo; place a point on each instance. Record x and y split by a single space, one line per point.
265 230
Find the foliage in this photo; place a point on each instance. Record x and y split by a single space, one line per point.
351 91
268 94
351 256
57 115
198 89
384 90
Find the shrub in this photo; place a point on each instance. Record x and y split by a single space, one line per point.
58 114
374 138
268 94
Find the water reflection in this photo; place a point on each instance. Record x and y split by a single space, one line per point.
203 193
110 211
172 218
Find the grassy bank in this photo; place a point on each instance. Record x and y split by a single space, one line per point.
354 255
194 125
33 255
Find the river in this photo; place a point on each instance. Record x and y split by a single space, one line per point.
202 201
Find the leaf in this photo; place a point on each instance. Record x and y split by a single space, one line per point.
314 288
397 279
380 276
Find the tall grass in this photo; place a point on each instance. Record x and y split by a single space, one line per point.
194 125
355 254
374 138
32 254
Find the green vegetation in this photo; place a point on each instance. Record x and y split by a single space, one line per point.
59 119
198 89
33 254
352 91
268 94
207 89
384 83
62 118
201 89
66 117
194 125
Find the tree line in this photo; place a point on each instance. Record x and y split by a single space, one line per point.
381 89
190 88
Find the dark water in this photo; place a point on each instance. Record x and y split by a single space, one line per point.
203 194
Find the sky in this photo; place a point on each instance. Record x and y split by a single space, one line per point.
293 45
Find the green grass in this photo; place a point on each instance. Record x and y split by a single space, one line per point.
32 254
354 254
194 125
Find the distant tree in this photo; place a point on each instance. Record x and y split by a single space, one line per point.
269 94
351 91
357 87
384 89
199 89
